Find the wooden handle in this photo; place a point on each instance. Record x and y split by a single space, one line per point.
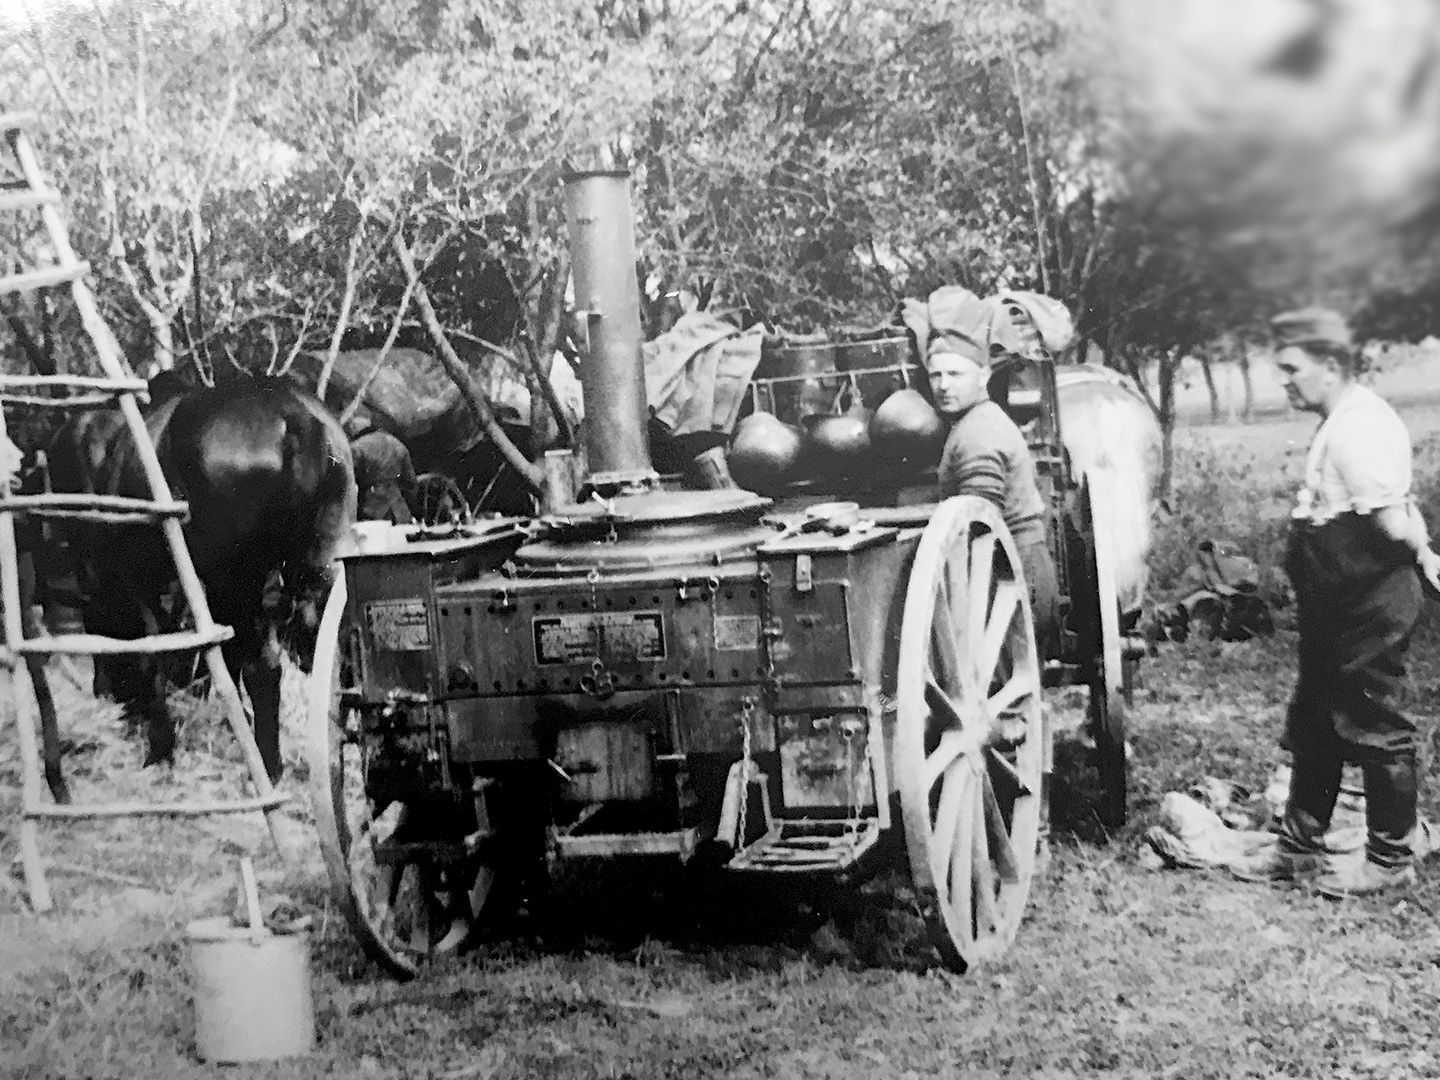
252 898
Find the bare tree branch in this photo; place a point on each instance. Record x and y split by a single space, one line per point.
299 345
265 36
479 408
351 409
347 300
44 62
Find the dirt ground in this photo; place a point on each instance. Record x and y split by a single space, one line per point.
1119 969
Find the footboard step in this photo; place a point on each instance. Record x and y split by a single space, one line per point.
809 847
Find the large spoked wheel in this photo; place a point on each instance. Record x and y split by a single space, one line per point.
407 905
1102 654
969 737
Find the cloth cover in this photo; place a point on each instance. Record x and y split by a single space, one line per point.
1018 322
696 373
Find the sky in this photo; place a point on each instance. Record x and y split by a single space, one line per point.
15 14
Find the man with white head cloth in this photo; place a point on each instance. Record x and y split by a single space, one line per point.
986 455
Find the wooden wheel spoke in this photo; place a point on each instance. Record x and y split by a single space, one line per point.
976 615
960 854
381 898
1002 765
953 745
987 918
997 628
943 708
1005 862
945 648
955 580
954 797
1014 697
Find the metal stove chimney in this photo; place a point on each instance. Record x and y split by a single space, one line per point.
612 378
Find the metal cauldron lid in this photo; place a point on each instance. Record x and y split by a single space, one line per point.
664 506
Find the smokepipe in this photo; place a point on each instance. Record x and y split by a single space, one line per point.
612 379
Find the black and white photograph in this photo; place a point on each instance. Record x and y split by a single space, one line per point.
706 539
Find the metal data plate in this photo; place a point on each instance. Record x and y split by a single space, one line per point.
612 637
401 625
549 637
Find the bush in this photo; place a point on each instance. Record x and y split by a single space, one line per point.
1229 496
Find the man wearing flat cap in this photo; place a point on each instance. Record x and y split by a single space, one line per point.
1358 552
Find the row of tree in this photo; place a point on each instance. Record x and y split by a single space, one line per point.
256 180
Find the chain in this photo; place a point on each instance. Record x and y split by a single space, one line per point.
857 776
593 577
747 710
601 683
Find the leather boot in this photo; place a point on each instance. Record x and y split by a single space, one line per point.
1391 788
1299 850
1314 787
1391 792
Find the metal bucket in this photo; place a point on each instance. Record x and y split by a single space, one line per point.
797 377
894 354
252 992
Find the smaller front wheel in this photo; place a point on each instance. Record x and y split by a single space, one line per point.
410 887
1102 652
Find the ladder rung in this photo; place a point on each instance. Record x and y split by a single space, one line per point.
112 508
16 121
43 279
74 401
175 809
26 199
73 382
95 645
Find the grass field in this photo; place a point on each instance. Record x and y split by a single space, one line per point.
1120 969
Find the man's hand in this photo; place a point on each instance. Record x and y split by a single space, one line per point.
1428 563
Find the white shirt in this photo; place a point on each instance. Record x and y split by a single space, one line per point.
1359 460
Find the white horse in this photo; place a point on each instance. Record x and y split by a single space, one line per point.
1107 427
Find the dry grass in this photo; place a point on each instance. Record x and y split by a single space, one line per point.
1119 969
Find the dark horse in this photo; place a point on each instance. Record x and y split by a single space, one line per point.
268 475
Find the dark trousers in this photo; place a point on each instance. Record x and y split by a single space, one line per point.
1044 589
1359 600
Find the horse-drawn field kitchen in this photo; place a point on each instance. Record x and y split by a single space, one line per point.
645 669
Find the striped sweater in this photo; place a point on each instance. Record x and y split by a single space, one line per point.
985 455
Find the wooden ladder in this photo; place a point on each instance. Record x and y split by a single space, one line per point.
118 387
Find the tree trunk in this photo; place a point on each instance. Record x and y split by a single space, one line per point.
1249 402
1210 389
1169 363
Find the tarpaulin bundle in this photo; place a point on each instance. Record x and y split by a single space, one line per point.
412 396
1018 322
696 373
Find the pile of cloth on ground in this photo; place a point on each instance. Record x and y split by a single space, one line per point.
1218 822
1223 598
